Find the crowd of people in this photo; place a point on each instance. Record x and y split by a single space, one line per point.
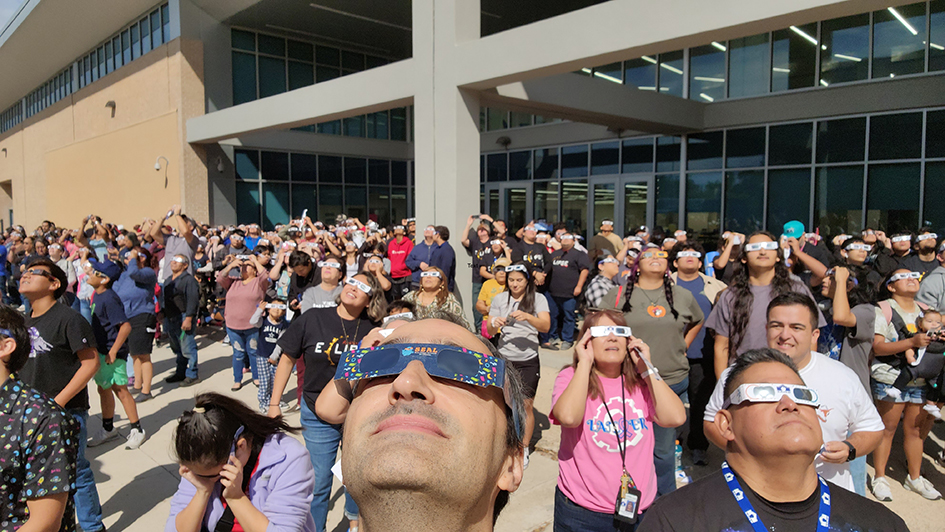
800 354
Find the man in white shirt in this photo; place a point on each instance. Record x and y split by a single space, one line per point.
850 423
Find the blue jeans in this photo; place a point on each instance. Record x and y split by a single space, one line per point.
564 308
184 345
477 317
321 440
858 471
548 336
664 450
572 517
244 344
88 509
82 307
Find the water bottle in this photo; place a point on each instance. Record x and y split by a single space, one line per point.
678 456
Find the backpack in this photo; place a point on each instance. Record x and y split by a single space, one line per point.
902 331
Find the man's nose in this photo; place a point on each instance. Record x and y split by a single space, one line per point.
413 383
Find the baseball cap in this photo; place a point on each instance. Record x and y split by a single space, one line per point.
793 229
107 267
501 263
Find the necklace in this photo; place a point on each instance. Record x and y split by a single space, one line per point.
653 309
345 331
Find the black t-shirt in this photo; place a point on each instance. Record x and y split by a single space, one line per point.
56 337
481 256
107 316
535 255
915 264
321 336
709 506
566 267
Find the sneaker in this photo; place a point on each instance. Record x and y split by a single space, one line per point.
142 397
698 457
923 487
549 346
189 381
881 489
525 461
286 408
565 346
135 439
102 436
131 382
933 411
174 378
226 340
895 393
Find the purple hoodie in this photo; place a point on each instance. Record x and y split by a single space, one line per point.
281 489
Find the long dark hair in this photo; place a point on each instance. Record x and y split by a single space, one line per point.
742 298
635 274
205 434
528 300
630 378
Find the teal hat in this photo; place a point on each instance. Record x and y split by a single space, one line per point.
793 229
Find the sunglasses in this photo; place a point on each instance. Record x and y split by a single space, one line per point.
655 255
607 222
608 260
567 237
920 238
901 238
772 393
598 331
758 246
694 254
901 276
861 247
429 274
43 273
325 263
99 274
398 227
277 306
359 285
517 268
398 316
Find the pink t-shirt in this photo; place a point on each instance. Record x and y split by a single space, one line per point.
589 467
242 299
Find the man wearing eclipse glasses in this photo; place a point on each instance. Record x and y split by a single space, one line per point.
771 434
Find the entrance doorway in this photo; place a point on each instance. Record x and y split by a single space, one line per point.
628 201
511 202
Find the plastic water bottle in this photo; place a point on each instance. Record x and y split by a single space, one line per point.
678 456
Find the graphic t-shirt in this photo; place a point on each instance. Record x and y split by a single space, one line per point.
490 289
566 268
709 506
108 314
269 335
696 287
518 341
56 337
318 297
589 467
321 337
481 256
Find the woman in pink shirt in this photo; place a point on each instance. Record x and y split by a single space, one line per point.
606 403
242 297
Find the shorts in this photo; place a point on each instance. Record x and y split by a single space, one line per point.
530 371
911 394
113 374
141 339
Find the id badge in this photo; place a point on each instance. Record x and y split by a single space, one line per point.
627 508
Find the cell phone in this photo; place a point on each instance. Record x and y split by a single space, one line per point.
236 438
304 214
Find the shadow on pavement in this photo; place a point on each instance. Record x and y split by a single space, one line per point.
128 500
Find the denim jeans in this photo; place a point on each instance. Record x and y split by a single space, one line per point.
82 306
858 471
477 317
244 343
563 308
548 336
701 384
88 509
321 440
184 345
572 517
664 450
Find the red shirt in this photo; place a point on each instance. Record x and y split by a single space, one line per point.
397 254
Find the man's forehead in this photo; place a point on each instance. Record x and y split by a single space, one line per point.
770 373
431 331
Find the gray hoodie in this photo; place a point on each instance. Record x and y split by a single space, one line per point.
932 289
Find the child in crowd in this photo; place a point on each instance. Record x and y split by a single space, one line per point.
926 362
270 317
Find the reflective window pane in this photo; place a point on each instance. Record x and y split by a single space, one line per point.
520 119
847 43
667 154
135 43
671 73
275 166
748 66
793 58
243 40
838 200
612 72
330 203
247 203
326 55
326 73
790 144
329 169
520 165
354 126
304 167
496 167
637 155
641 73
935 134
899 41
247 164
300 75
378 172
707 72
788 197
704 151
497 119
304 197
398 204
301 51
546 163
744 200
896 136
546 200
745 147
330 128
275 204
892 196
356 202
244 78
635 198
271 76
398 123
156 38
667 201
841 140
605 158
398 173
574 205
379 205
937 35
703 203
574 161
934 214
145 35
355 170
604 202
165 23
352 61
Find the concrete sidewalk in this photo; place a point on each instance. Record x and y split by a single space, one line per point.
135 486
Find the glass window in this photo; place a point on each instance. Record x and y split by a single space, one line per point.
788 197
707 72
352 61
703 203
355 170
244 78
93 60
377 125
379 172
374 62
326 55
667 154
325 73
271 45
304 167
125 47
935 134
300 75
704 151
243 40
497 167
845 49
87 68
838 199
304 197
574 161
745 148
899 41
165 23
247 164
398 204
546 200
135 43
637 155
605 202
671 73
936 35
612 72
398 173
330 203
790 144
329 128
793 57
892 196
635 205
275 204
934 214
247 203
605 158
667 200
379 205
641 73
109 58
497 119
574 205
546 163
354 126
356 202
156 38
145 35
301 51
896 136
116 51
748 66
329 169
271 76
101 62
275 166
398 124
744 200
520 119
520 165
841 140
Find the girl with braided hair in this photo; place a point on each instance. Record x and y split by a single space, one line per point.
667 318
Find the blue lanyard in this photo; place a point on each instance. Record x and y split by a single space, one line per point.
823 519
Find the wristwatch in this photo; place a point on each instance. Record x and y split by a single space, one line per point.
852 456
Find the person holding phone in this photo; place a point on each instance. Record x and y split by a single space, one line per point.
607 402
242 297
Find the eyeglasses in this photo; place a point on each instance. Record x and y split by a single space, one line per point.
282 306
655 255
598 331
608 260
42 273
517 268
757 246
694 254
359 285
398 316
398 228
861 247
99 274
901 238
919 238
429 274
607 222
567 237
772 393
901 276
